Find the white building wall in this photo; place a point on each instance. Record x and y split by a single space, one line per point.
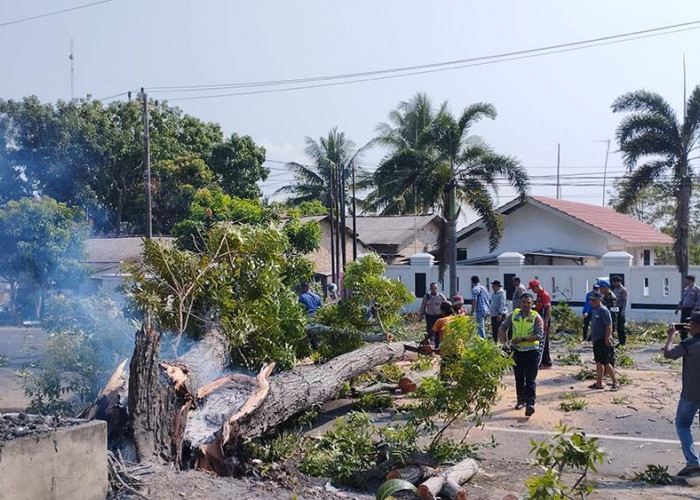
653 290
531 228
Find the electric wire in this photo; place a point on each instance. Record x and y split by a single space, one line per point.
53 13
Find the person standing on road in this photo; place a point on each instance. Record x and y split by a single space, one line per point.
690 302
528 332
601 335
609 301
430 307
587 312
518 291
499 308
622 296
544 307
480 305
689 402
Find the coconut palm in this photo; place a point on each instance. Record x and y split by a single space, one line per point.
330 155
655 144
444 167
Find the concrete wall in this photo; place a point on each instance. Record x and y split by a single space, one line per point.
68 464
654 291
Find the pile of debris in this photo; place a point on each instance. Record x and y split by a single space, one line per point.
16 425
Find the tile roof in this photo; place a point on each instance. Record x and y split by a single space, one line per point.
623 226
392 229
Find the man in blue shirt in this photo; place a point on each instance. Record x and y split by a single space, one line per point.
480 305
310 300
587 312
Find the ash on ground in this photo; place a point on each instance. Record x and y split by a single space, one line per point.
17 425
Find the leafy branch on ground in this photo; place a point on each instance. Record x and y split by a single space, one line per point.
564 452
654 474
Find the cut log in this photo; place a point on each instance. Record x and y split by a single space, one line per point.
448 483
413 474
374 388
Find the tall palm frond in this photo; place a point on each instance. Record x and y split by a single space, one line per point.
652 131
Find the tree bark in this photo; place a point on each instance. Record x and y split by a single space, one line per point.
448 484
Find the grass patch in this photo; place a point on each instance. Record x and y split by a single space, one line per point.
570 359
392 372
374 402
622 400
574 404
423 363
622 358
4 359
646 333
585 374
623 379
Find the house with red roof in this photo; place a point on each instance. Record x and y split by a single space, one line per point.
549 231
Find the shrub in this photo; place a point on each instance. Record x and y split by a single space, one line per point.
585 374
570 359
374 402
565 319
654 474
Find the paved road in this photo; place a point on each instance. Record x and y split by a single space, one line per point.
23 347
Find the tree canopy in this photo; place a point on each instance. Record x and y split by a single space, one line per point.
88 154
42 241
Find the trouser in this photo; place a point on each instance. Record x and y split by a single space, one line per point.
686 312
621 333
495 325
429 322
480 324
525 370
586 324
545 358
685 415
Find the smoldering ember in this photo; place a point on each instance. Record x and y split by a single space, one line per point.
318 252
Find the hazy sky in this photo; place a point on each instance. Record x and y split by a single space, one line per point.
560 98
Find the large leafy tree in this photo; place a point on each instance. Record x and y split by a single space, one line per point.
84 153
444 167
42 240
655 143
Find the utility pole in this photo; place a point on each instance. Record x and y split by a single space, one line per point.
558 166
72 70
605 167
354 216
331 207
343 227
337 224
147 163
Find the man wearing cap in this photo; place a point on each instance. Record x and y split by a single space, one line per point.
499 308
528 331
430 307
587 312
458 305
309 299
620 292
480 305
609 301
543 306
601 335
689 402
690 301
518 291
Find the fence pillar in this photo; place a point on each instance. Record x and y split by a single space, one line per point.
510 264
617 263
422 268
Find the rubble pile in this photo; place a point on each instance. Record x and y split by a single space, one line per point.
16 425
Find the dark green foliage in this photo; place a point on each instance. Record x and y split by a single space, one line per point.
564 318
374 402
585 374
654 474
237 164
570 359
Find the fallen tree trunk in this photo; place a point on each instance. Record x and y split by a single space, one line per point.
183 410
289 394
413 474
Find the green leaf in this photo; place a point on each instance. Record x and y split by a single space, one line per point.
391 486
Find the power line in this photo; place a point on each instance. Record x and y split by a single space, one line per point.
186 88
53 13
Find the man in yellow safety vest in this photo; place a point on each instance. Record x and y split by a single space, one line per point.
528 332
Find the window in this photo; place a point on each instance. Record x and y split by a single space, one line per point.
461 254
647 257
666 287
420 285
646 287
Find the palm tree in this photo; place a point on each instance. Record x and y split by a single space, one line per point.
443 168
653 136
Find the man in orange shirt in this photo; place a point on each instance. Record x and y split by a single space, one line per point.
440 325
